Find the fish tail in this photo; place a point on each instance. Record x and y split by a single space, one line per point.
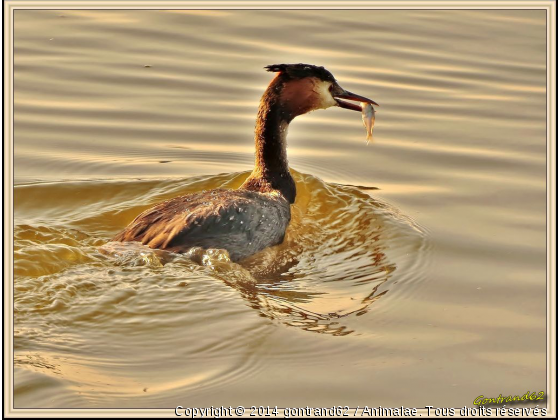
369 138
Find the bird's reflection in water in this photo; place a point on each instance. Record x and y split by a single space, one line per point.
283 298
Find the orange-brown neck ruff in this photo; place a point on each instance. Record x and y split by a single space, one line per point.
298 96
271 171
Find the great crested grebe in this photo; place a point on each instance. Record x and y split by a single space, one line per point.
255 216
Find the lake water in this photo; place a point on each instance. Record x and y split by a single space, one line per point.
413 272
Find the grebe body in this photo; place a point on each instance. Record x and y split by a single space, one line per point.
242 222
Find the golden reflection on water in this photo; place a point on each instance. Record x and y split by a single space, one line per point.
432 266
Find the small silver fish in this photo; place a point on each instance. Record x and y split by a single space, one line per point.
368 117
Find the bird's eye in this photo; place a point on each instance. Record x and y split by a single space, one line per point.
331 87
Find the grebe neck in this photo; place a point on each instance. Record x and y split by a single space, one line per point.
271 162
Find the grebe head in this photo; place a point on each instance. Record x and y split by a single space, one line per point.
305 87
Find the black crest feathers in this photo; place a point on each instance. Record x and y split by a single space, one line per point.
300 70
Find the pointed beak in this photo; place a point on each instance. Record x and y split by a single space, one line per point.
338 94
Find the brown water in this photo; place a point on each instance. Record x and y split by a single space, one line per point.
428 289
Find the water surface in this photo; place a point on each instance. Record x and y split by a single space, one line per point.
413 271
